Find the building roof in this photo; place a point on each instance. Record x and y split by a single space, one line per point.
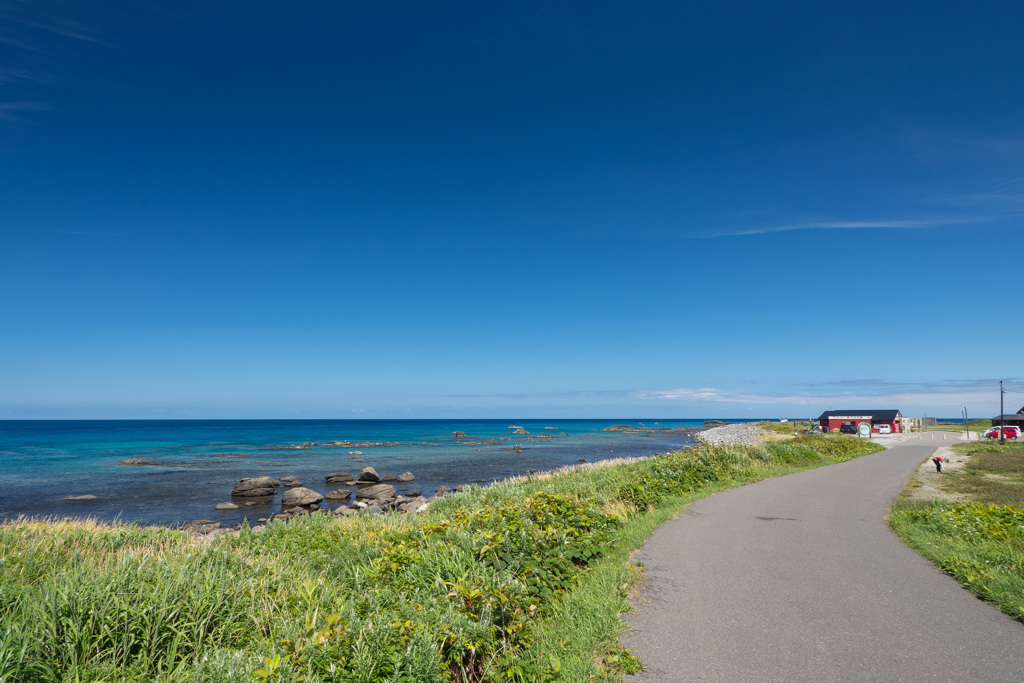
1021 411
875 415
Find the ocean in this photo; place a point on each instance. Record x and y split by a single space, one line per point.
191 465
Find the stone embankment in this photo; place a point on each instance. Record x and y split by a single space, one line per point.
746 434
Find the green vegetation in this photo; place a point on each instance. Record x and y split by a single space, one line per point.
522 581
786 427
980 542
973 425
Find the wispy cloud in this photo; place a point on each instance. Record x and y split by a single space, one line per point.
9 110
918 224
49 20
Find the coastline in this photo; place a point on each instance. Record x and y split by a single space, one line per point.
173 472
519 570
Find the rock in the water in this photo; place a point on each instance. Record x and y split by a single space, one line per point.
376 492
460 488
338 494
369 474
293 484
226 506
389 477
459 435
442 491
415 493
339 477
87 496
255 487
139 461
300 496
405 477
289 478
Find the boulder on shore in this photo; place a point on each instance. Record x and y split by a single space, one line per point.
339 477
376 492
338 494
255 487
300 497
200 527
405 477
442 491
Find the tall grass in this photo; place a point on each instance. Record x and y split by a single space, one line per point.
519 581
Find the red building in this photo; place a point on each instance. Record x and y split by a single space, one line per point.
879 421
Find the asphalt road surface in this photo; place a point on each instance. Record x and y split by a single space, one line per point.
800 579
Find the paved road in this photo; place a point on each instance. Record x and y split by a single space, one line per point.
799 579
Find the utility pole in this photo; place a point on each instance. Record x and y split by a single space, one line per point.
1002 432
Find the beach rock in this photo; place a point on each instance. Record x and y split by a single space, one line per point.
442 491
339 477
87 496
293 484
520 431
300 496
355 452
389 477
415 505
226 506
200 527
376 492
255 487
415 493
369 474
139 461
460 488
346 511
459 435
405 477
375 510
338 494
289 478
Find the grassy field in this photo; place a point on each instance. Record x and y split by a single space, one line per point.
979 541
786 427
521 581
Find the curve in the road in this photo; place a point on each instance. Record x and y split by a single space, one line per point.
799 579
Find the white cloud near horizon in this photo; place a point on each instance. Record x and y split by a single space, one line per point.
857 394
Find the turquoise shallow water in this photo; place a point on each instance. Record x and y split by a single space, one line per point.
198 461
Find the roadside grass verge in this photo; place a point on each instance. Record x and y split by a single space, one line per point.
519 581
980 542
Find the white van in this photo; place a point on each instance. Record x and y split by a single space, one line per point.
885 429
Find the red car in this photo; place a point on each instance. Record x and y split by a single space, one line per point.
1008 433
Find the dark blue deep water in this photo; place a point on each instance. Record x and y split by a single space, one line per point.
197 462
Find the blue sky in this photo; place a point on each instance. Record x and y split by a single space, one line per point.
667 209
